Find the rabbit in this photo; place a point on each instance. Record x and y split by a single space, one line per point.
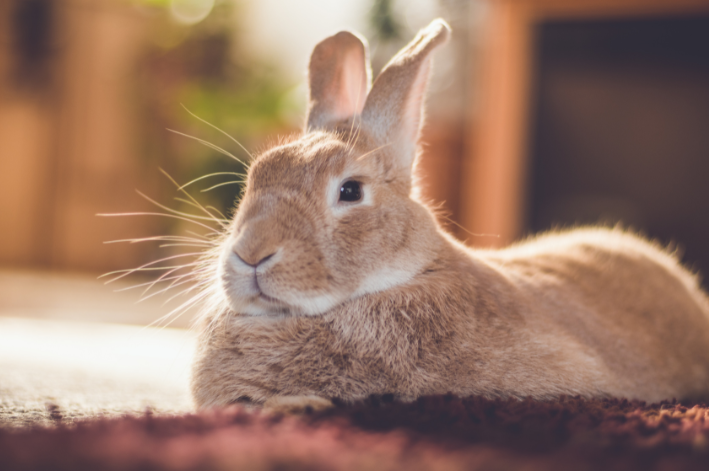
335 281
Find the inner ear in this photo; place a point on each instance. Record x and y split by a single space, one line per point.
392 113
339 79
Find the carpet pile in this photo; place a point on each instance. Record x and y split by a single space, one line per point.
437 432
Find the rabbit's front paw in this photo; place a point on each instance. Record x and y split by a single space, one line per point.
296 404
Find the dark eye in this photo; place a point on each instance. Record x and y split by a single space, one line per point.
351 191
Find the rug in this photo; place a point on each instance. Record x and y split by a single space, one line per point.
432 433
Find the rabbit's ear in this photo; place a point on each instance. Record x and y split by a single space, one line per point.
340 78
393 111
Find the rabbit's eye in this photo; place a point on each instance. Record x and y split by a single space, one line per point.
351 191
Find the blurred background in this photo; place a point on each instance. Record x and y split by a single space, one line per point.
540 115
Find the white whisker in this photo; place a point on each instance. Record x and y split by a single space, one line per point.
180 213
201 236
222 184
184 244
178 311
211 229
371 152
210 145
149 266
151 283
162 239
169 287
183 292
223 132
202 208
220 213
211 175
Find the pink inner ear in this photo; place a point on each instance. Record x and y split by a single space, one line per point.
411 119
349 90
393 107
339 79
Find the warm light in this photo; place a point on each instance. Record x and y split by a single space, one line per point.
191 11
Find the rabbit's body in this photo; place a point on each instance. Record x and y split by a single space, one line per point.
590 312
334 282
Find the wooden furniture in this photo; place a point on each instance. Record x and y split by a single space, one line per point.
494 171
69 145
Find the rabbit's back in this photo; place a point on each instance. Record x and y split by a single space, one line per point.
621 299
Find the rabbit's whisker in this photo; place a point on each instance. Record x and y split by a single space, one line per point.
181 309
199 206
211 175
211 229
208 207
173 211
201 236
354 118
466 230
174 284
184 244
145 269
221 131
367 154
210 145
182 293
358 130
164 278
235 182
162 239
149 266
178 311
218 212
150 283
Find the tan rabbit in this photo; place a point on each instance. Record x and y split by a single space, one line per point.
335 282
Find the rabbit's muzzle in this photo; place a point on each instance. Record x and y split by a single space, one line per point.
273 265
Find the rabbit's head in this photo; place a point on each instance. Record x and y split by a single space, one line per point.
330 216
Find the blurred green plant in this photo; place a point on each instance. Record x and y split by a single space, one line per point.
202 69
383 19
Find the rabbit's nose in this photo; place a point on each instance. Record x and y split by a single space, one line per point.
257 242
250 260
254 250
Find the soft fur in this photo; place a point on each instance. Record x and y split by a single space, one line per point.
320 298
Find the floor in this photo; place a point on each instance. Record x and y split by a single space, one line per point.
71 348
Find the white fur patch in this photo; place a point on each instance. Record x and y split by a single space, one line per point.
384 279
314 305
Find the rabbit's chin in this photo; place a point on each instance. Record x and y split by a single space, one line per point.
264 305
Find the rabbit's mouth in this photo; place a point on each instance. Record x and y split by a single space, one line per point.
273 304
258 303
265 305
268 298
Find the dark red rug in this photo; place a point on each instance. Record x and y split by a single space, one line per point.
441 432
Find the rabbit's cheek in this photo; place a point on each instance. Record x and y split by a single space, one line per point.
302 280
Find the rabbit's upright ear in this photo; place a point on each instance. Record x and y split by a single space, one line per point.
340 77
393 108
